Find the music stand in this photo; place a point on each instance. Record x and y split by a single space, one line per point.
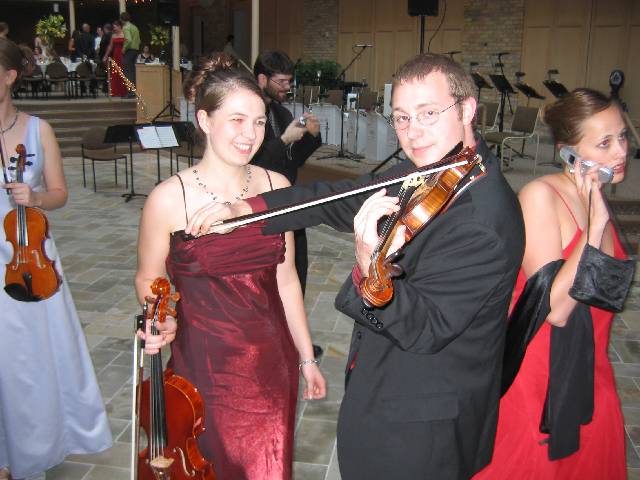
557 89
504 87
124 133
480 82
185 132
159 142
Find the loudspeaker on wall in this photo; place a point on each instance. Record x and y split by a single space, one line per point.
169 12
423 7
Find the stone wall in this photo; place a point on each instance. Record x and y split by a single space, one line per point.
491 27
320 29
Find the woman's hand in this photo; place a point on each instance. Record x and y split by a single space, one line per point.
316 387
167 334
589 185
23 194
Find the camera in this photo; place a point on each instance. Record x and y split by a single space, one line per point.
569 155
302 121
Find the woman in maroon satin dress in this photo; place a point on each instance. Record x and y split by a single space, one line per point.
242 337
557 223
114 50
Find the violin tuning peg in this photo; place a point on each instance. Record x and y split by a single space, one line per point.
11 168
396 270
28 164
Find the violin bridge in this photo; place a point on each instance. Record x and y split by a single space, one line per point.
161 467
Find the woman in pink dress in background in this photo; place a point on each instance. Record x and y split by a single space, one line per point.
242 337
114 50
558 225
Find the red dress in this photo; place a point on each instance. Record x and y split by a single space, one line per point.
117 84
234 345
519 451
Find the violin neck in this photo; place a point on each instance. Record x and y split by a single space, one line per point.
158 423
390 224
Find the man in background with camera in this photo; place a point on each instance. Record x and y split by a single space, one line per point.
288 143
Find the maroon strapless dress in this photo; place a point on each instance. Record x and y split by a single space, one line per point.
234 345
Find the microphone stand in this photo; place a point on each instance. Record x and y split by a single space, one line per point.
341 79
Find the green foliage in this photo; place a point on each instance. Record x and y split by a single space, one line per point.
159 36
50 28
308 73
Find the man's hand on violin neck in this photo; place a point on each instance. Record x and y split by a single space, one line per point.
203 220
365 227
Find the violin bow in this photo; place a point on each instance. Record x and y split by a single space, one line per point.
4 166
223 225
138 368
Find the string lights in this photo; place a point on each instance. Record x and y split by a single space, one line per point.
130 86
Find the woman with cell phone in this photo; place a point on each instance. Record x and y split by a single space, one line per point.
563 212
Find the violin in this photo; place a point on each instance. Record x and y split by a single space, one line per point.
31 275
421 200
168 409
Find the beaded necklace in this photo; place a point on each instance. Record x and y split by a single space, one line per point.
214 197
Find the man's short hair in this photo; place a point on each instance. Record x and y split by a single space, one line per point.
272 62
125 17
461 85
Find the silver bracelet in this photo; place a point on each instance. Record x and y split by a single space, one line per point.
307 362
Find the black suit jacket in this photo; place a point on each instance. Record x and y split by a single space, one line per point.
85 45
275 155
422 399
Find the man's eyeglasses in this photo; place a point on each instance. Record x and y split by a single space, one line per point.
283 82
427 118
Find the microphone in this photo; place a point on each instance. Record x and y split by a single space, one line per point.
453 52
363 45
502 54
297 62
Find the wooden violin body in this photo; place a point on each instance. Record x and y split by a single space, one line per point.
423 200
168 409
31 275
185 422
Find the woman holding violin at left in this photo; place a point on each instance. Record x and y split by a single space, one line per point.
50 403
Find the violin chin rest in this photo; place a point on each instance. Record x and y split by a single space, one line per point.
19 293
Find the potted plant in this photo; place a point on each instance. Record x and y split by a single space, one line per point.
159 38
308 73
50 28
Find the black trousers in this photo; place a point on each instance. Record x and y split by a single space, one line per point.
129 64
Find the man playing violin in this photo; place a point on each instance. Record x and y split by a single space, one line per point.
423 372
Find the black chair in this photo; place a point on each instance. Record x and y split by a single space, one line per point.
94 149
57 74
35 83
100 78
82 80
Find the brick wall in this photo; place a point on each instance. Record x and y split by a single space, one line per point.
490 27
320 30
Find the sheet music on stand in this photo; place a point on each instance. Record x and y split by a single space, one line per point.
157 136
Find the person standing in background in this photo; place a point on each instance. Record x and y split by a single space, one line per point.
287 143
85 43
104 41
131 47
97 40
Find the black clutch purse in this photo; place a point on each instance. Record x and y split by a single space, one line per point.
601 280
